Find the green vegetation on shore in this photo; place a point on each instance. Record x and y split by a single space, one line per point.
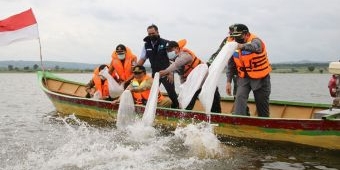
300 68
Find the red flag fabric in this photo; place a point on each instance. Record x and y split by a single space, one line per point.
22 26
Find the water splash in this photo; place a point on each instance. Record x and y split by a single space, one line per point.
78 145
139 132
200 140
126 111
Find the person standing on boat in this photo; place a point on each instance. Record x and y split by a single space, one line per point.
99 84
253 70
122 62
140 88
154 50
184 61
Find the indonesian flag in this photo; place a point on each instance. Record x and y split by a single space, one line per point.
18 27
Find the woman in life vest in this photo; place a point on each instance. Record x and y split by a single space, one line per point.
98 84
122 62
140 88
253 70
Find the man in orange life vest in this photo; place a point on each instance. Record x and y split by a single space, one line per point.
123 60
140 88
184 62
98 83
253 70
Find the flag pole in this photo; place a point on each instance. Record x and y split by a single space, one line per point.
40 54
41 63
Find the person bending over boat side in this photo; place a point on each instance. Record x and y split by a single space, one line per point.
98 83
253 69
140 87
154 50
122 62
184 61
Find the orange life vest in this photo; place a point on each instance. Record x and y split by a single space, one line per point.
103 88
143 96
123 68
181 43
95 72
255 65
195 60
190 66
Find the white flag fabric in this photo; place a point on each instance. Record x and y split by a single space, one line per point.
215 70
19 27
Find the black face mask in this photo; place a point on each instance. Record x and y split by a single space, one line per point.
154 37
239 40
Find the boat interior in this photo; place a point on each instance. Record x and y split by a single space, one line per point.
277 109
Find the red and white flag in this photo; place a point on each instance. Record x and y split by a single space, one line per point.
22 26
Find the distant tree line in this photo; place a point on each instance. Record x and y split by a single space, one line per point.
36 67
300 67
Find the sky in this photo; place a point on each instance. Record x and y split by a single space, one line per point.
87 31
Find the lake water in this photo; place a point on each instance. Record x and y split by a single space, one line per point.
31 137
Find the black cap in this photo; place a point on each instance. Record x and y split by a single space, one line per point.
239 29
171 44
139 69
120 48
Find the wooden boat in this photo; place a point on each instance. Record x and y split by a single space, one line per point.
301 123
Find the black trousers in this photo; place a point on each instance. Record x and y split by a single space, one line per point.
170 89
216 105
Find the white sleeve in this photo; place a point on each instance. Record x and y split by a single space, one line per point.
143 54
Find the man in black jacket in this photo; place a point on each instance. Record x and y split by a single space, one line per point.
155 50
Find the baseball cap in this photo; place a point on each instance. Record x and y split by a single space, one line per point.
239 29
138 69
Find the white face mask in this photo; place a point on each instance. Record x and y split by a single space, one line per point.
172 55
121 56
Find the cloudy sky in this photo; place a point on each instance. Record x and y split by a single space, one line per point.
88 30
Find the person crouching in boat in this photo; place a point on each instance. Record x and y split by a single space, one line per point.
184 61
140 88
122 62
99 84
